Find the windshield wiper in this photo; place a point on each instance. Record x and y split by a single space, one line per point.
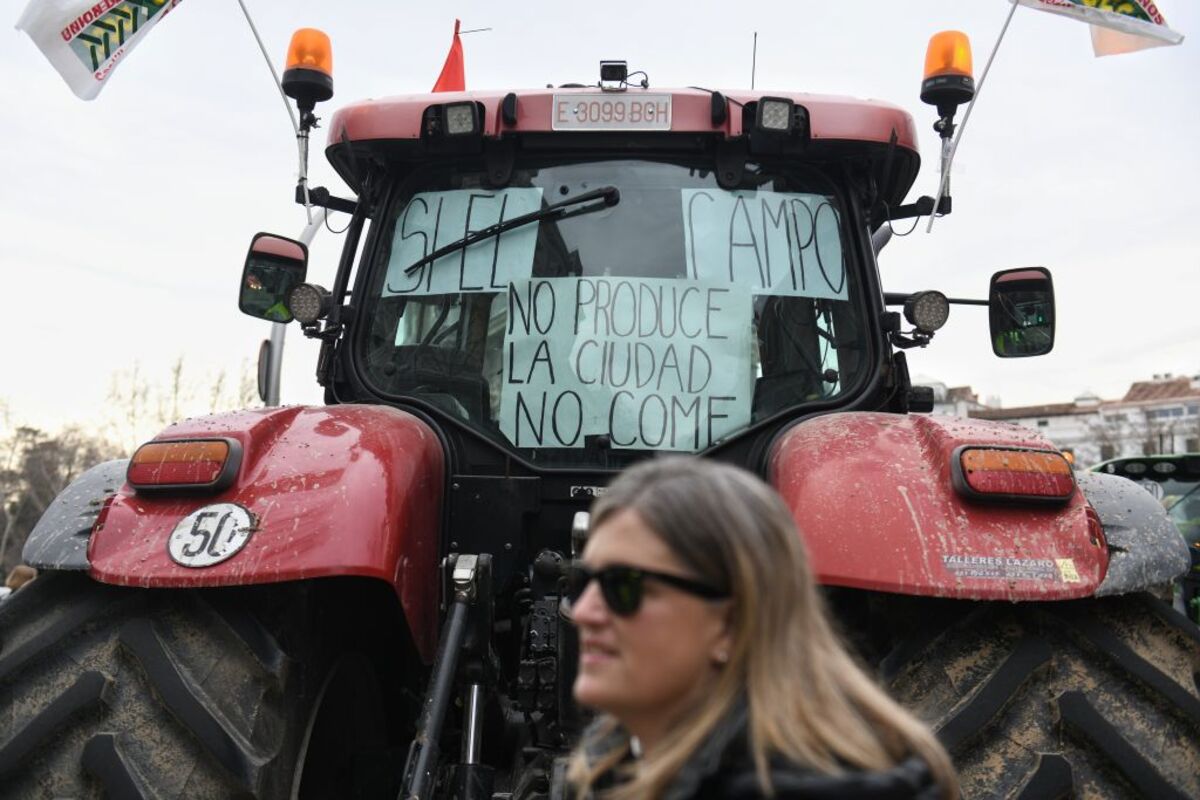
608 194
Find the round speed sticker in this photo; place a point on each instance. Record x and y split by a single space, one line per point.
210 535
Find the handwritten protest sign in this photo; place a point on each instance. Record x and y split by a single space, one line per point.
435 219
649 363
771 242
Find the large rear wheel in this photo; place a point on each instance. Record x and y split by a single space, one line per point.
215 693
1095 698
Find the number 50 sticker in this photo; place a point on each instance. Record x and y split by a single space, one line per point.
210 535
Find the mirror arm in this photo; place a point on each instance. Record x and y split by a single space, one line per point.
900 298
914 338
923 207
891 323
329 334
320 196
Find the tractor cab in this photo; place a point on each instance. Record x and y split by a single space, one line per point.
574 277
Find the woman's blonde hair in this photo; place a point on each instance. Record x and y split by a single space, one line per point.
808 700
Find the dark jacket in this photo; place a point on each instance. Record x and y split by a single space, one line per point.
723 768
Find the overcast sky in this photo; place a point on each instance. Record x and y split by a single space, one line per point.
125 220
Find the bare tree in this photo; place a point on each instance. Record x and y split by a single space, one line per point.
248 386
174 396
129 405
12 495
216 391
227 395
1142 431
1110 432
1191 432
1157 434
140 408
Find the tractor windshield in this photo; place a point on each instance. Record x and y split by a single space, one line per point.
667 316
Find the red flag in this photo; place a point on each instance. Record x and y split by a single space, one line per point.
453 77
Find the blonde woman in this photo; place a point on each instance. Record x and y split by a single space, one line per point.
705 649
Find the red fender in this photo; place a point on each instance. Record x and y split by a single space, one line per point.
338 490
873 497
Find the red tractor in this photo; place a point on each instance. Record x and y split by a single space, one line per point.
537 289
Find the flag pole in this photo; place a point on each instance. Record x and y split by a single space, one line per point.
301 135
948 156
270 66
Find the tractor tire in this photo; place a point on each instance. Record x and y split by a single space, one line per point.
1096 698
206 693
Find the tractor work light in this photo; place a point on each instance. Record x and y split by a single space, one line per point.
308 76
1012 473
462 119
775 115
927 311
948 78
309 303
194 464
454 121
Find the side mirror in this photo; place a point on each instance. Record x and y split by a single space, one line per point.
274 266
1021 312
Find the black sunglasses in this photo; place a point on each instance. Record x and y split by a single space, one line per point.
621 586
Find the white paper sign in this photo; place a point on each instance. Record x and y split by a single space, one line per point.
435 219
770 242
651 363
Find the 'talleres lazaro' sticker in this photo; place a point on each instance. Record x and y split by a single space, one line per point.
1058 570
210 535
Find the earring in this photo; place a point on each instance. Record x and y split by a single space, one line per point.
721 657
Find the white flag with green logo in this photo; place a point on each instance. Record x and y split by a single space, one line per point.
1118 26
84 40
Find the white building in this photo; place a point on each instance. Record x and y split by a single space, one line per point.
1161 415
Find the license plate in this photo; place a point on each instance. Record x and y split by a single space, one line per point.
611 111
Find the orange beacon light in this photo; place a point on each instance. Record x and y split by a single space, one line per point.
308 77
948 81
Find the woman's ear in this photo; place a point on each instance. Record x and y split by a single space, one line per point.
722 647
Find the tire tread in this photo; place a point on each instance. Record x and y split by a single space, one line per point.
1088 698
968 720
1051 780
104 760
1083 720
90 689
1109 644
187 703
164 694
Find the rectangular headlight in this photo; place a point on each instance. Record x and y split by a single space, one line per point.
775 114
461 119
